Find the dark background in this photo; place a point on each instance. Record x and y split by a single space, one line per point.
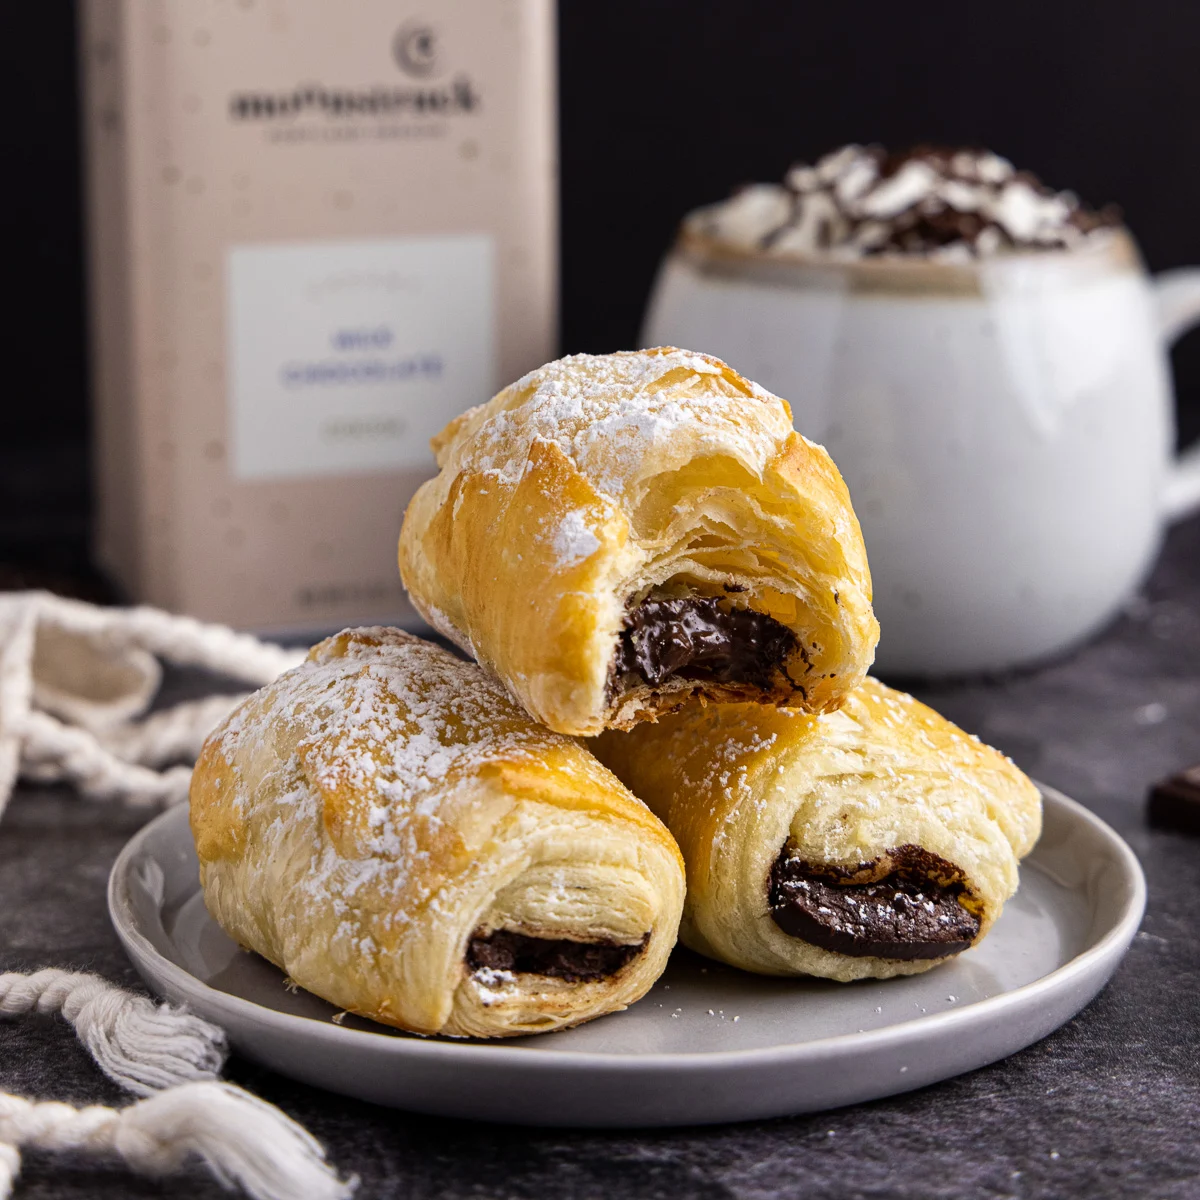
663 106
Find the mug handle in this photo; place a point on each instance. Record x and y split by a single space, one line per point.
1178 295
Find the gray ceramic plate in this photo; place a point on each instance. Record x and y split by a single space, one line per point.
707 1044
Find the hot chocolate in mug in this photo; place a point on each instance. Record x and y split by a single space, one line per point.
1004 424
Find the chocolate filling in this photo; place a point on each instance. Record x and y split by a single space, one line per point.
696 637
577 962
909 910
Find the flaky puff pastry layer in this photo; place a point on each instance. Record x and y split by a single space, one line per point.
360 819
596 480
736 783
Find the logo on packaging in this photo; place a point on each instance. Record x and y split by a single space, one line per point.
312 111
416 49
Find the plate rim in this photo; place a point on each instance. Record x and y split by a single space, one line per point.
1110 946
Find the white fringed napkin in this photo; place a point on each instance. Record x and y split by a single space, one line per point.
75 682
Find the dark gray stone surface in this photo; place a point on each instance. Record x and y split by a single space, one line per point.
1107 1106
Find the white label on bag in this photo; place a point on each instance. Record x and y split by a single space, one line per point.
346 357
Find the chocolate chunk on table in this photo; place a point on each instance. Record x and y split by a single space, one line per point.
1175 802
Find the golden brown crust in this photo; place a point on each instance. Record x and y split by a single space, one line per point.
361 818
736 783
596 481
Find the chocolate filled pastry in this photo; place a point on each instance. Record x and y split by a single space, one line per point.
389 828
873 841
613 534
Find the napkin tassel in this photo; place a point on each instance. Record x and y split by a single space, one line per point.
142 1046
173 1057
244 1141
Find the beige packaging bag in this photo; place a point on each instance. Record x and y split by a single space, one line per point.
317 232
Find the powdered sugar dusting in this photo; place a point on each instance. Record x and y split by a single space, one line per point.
414 715
493 986
607 412
574 541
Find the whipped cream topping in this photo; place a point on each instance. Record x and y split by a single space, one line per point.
861 201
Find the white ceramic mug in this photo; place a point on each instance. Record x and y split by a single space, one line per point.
1005 426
